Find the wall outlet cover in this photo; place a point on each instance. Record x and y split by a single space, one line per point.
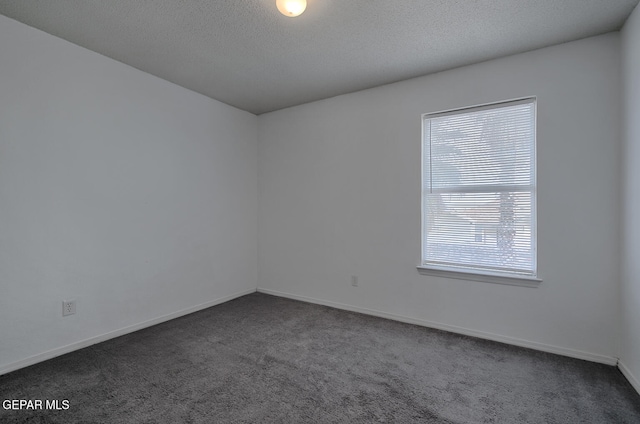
68 307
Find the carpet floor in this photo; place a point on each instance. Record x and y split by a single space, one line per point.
264 359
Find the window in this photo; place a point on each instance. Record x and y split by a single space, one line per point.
479 190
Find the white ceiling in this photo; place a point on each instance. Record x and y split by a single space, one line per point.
244 53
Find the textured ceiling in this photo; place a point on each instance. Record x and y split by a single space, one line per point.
244 53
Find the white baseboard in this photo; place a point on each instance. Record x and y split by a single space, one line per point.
603 359
629 376
116 333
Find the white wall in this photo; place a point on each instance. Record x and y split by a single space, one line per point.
339 195
130 194
630 292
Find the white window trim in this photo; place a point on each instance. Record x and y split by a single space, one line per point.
511 279
481 276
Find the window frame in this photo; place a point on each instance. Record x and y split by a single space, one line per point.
489 276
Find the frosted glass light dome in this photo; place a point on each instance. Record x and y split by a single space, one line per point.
291 8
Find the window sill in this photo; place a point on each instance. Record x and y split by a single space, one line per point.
522 281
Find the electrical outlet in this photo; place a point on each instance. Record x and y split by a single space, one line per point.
68 307
354 280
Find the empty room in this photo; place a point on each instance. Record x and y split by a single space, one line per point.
320 211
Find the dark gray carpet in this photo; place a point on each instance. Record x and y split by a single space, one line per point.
263 359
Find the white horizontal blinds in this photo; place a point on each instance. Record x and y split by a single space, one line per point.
479 188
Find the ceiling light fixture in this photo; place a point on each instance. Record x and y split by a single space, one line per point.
291 8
